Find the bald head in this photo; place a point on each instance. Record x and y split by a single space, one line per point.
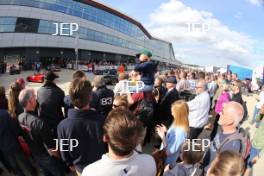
232 113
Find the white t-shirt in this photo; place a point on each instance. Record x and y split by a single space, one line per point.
135 165
261 100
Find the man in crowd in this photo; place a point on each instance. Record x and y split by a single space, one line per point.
67 99
236 92
192 81
102 97
164 110
83 125
50 99
183 84
199 109
122 132
39 137
147 69
161 90
229 120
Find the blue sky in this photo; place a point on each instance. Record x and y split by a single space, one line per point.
235 35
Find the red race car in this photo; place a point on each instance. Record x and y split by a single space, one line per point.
37 77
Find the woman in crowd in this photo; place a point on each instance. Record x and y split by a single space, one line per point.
120 101
174 137
14 107
221 100
227 163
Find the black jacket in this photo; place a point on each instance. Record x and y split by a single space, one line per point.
164 110
237 98
50 99
86 127
9 133
147 70
103 100
38 133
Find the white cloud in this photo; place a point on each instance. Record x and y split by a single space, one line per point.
256 2
217 44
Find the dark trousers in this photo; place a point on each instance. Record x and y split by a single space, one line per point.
49 165
215 128
195 132
17 160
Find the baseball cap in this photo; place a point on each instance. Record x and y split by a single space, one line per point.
171 79
50 76
145 52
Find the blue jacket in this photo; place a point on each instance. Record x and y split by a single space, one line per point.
86 127
147 70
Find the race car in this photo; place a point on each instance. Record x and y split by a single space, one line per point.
14 70
54 68
110 76
37 78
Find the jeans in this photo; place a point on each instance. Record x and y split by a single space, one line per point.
256 111
49 165
253 153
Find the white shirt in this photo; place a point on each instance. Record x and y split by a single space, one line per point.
135 165
261 100
199 110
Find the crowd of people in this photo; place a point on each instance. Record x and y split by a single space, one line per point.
98 131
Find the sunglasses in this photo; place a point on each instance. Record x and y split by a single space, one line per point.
116 106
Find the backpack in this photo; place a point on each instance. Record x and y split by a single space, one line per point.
243 137
145 111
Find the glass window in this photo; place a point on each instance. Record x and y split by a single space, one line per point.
27 25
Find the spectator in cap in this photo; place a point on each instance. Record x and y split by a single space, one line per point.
103 97
164 110
147 69
50 99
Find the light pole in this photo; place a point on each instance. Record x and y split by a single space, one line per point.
76 50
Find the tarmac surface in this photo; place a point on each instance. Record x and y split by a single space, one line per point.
64 81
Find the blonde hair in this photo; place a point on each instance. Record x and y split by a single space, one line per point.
180 112
13 102
122 100
227 163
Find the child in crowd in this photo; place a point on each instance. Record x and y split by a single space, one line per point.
174 137
191 156
227 163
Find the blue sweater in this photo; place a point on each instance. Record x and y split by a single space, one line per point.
86 127
147 70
